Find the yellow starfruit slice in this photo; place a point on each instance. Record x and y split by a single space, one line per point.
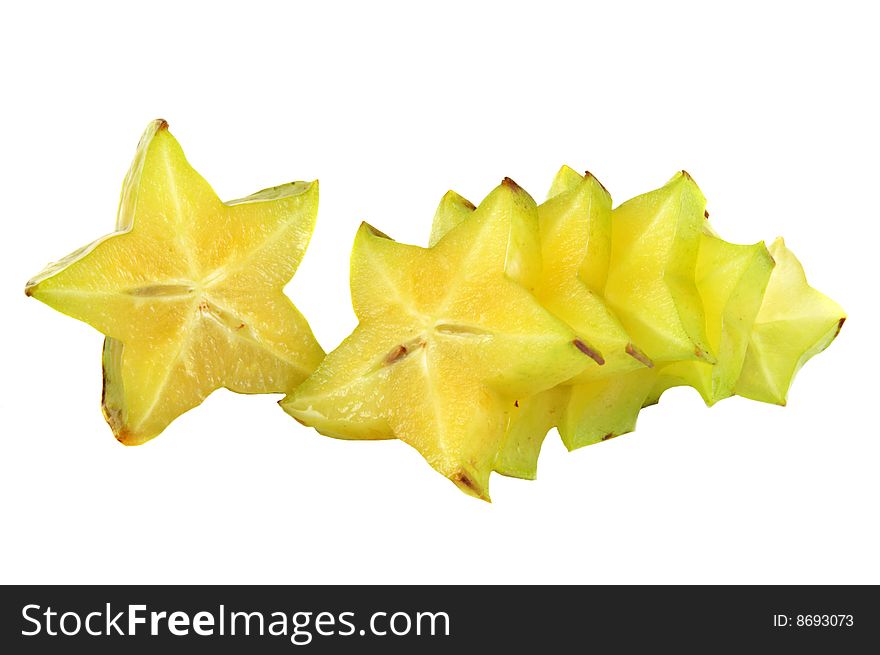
795 323
445 339
189 291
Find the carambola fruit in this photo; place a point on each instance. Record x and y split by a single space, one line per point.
188 291
445 341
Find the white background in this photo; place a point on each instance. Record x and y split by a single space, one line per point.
772 107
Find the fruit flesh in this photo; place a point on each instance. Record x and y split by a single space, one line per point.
795 322
451 211
575 230
189 291
592 229
665 232
445 340
576 247
731 280
647 259
527 424
650 285
516 319
603 409
651 274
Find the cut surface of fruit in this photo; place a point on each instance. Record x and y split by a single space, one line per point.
795 323
445 338
651 276
731 280
189 291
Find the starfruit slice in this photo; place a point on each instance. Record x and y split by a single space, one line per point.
445 339
795 323
731 280
189 291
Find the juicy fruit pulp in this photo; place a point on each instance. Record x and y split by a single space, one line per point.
446 340
188 291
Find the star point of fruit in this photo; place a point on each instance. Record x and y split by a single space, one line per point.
188 291
517 317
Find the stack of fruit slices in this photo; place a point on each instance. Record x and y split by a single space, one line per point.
449 360
516 319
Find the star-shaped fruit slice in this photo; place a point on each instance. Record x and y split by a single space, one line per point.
795 323
446 338
189 291
651 284
731 280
